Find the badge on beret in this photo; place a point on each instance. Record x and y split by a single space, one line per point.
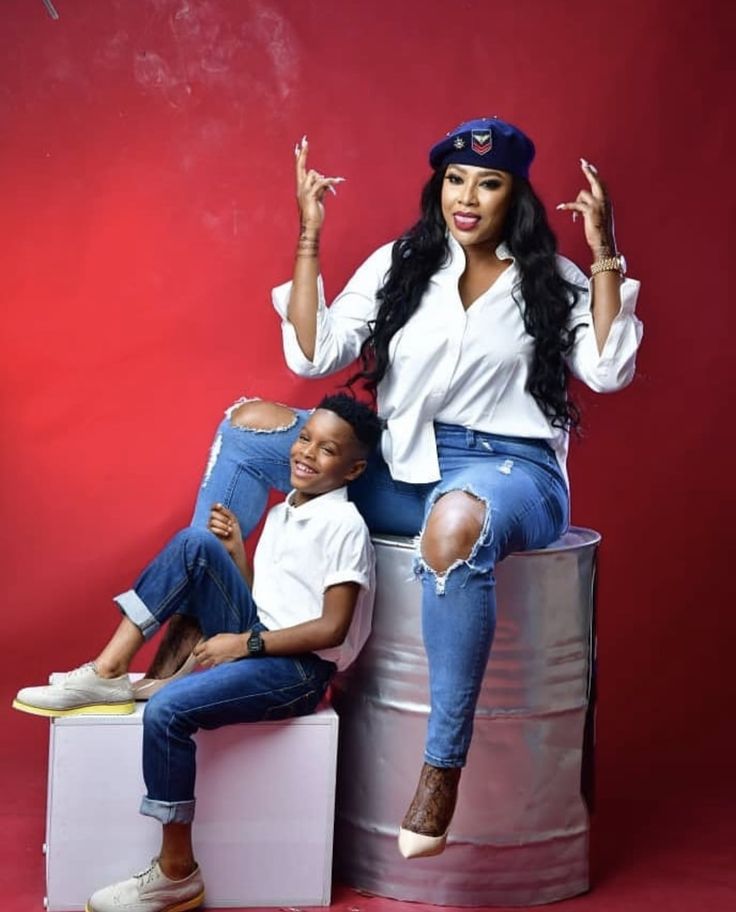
459 142
481 142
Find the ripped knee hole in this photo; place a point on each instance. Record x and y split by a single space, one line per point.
453 530
259 415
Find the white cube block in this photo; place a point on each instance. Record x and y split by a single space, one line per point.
264 818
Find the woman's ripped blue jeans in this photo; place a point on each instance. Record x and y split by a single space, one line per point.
525 502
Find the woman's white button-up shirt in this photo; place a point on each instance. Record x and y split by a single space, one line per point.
465 367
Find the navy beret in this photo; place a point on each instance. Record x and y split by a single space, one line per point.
488 143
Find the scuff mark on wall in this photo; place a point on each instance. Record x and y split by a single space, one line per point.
255 54
279 42
51 9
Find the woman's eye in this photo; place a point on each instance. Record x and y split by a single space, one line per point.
492 184
454 179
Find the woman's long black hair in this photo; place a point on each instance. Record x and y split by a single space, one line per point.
548 298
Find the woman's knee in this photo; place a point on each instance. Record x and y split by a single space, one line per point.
453 528
261 415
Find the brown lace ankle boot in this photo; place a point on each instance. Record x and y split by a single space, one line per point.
424 828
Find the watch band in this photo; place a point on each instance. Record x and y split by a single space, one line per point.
256 645
609 264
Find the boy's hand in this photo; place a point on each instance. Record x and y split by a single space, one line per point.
223 647
224 523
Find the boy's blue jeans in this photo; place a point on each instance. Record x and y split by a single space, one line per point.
526 500
195 575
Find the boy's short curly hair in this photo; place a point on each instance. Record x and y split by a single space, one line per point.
364 421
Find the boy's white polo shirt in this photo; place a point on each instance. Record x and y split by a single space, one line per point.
303 551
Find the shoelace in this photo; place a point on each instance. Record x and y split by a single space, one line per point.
145 877
76 672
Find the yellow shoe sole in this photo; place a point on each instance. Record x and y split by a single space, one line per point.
194 903
92 709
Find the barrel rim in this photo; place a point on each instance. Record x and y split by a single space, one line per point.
576 538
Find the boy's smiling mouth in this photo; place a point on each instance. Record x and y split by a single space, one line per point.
301 468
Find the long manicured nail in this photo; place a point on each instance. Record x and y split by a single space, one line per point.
332 189
560 206
304 140
296 149
574 215
339 180
587 164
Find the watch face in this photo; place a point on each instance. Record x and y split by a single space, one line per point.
255 644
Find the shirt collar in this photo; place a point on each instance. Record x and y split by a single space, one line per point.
456 262
338 495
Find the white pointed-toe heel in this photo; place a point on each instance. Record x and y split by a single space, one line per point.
417 845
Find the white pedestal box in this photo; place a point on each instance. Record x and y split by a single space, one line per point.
264 820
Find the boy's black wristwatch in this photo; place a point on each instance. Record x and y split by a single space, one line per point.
256 646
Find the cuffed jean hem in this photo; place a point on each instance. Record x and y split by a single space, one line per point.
445 764
136 610
168 811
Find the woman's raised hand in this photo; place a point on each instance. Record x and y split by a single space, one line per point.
310 190
597 211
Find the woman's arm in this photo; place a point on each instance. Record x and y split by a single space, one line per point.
318 340
604 353
304 298
322 633
597 211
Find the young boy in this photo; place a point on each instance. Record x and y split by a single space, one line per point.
308 616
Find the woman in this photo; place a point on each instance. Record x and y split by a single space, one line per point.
467 328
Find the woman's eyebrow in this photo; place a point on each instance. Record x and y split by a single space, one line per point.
486 172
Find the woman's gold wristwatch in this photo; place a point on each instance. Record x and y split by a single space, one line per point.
609 264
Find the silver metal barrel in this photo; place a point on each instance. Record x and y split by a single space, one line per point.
520 833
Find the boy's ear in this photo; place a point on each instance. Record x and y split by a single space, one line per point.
357 469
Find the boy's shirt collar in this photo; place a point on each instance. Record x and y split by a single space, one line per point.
309 508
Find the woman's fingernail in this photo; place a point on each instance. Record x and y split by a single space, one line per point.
574 216
332 190
339 180
296 149
593 168
584 163
560 206
304 140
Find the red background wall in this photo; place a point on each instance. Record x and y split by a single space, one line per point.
147 208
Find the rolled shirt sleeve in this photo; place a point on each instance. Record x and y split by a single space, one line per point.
341 328
349 556
612 368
